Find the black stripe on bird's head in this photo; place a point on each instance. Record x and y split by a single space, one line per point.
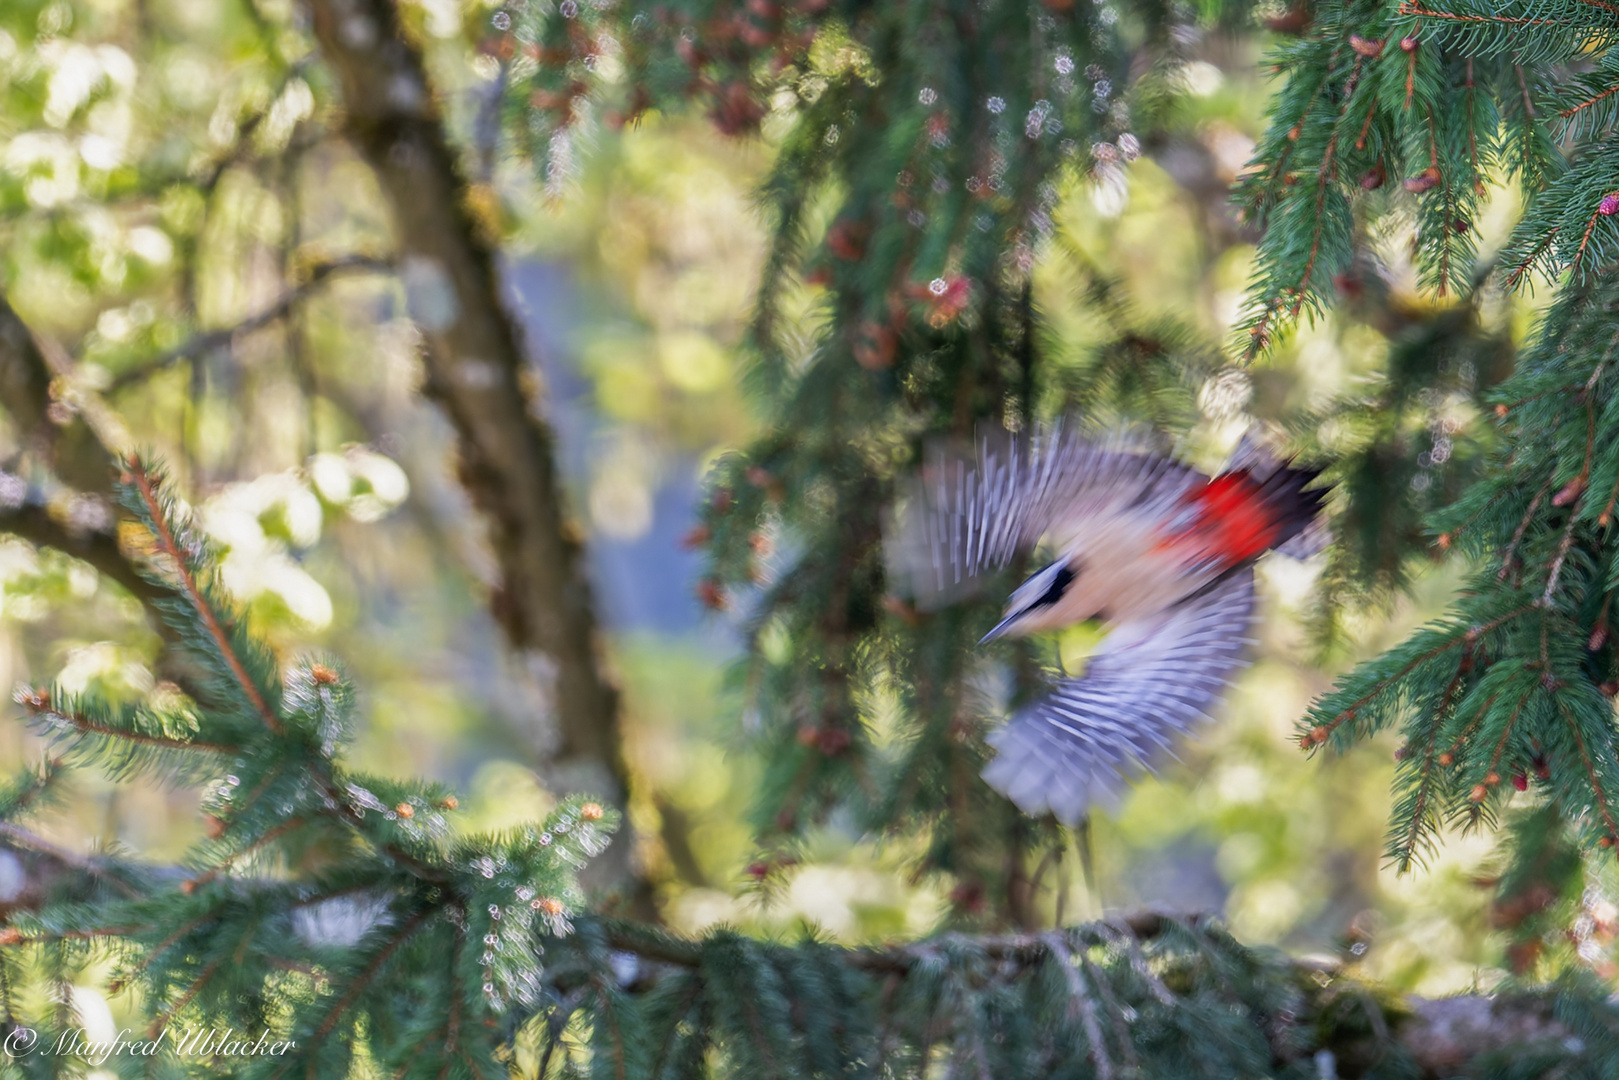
1042 590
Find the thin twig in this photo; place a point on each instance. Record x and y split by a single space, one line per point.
1523 526
193 592
210 340
72 860
1080 1003
90 727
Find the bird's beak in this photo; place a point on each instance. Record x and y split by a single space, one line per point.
1000 628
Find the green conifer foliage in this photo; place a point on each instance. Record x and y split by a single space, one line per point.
1392 108
921 153
921 150
334 913
333 909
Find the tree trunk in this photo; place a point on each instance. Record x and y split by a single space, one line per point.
479 374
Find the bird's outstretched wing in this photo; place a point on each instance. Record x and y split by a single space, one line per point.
1147 685
965 516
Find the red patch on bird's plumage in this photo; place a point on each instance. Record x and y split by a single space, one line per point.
1235 521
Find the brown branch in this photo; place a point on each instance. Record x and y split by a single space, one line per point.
1441 1036
1080 1002
480 374
1409 7
1506 730
1468 637
452 1023
1590 772
1425 782
1413 835
162 1020
168 545
168 943
1579 253
660 947
1523 527
268 837
93 540
1461 739
1447 197
140 738
1472 128
1523 89
60 439
365 977
1563 546
279 308
54 433
1523 265
1588 102
65 859
1366 127
1324 179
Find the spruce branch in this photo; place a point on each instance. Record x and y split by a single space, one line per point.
209 940
221 633
132 727
364 979
98 869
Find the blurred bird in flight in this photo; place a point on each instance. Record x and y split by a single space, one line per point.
1160 553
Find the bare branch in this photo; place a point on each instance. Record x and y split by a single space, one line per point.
209 340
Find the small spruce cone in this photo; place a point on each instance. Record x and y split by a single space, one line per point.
1426 180
1571 491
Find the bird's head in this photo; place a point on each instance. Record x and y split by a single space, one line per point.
1033 606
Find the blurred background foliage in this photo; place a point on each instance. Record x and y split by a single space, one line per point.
181 221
